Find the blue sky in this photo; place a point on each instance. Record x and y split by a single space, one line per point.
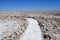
29 5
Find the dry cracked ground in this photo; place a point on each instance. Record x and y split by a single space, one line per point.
48 21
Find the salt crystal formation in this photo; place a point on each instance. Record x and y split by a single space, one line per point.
33 31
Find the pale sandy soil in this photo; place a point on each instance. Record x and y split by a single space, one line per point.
48 21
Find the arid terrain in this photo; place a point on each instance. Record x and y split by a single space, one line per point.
48 21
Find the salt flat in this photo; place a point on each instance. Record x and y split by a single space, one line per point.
49 22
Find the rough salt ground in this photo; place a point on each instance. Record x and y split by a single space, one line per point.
11 28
